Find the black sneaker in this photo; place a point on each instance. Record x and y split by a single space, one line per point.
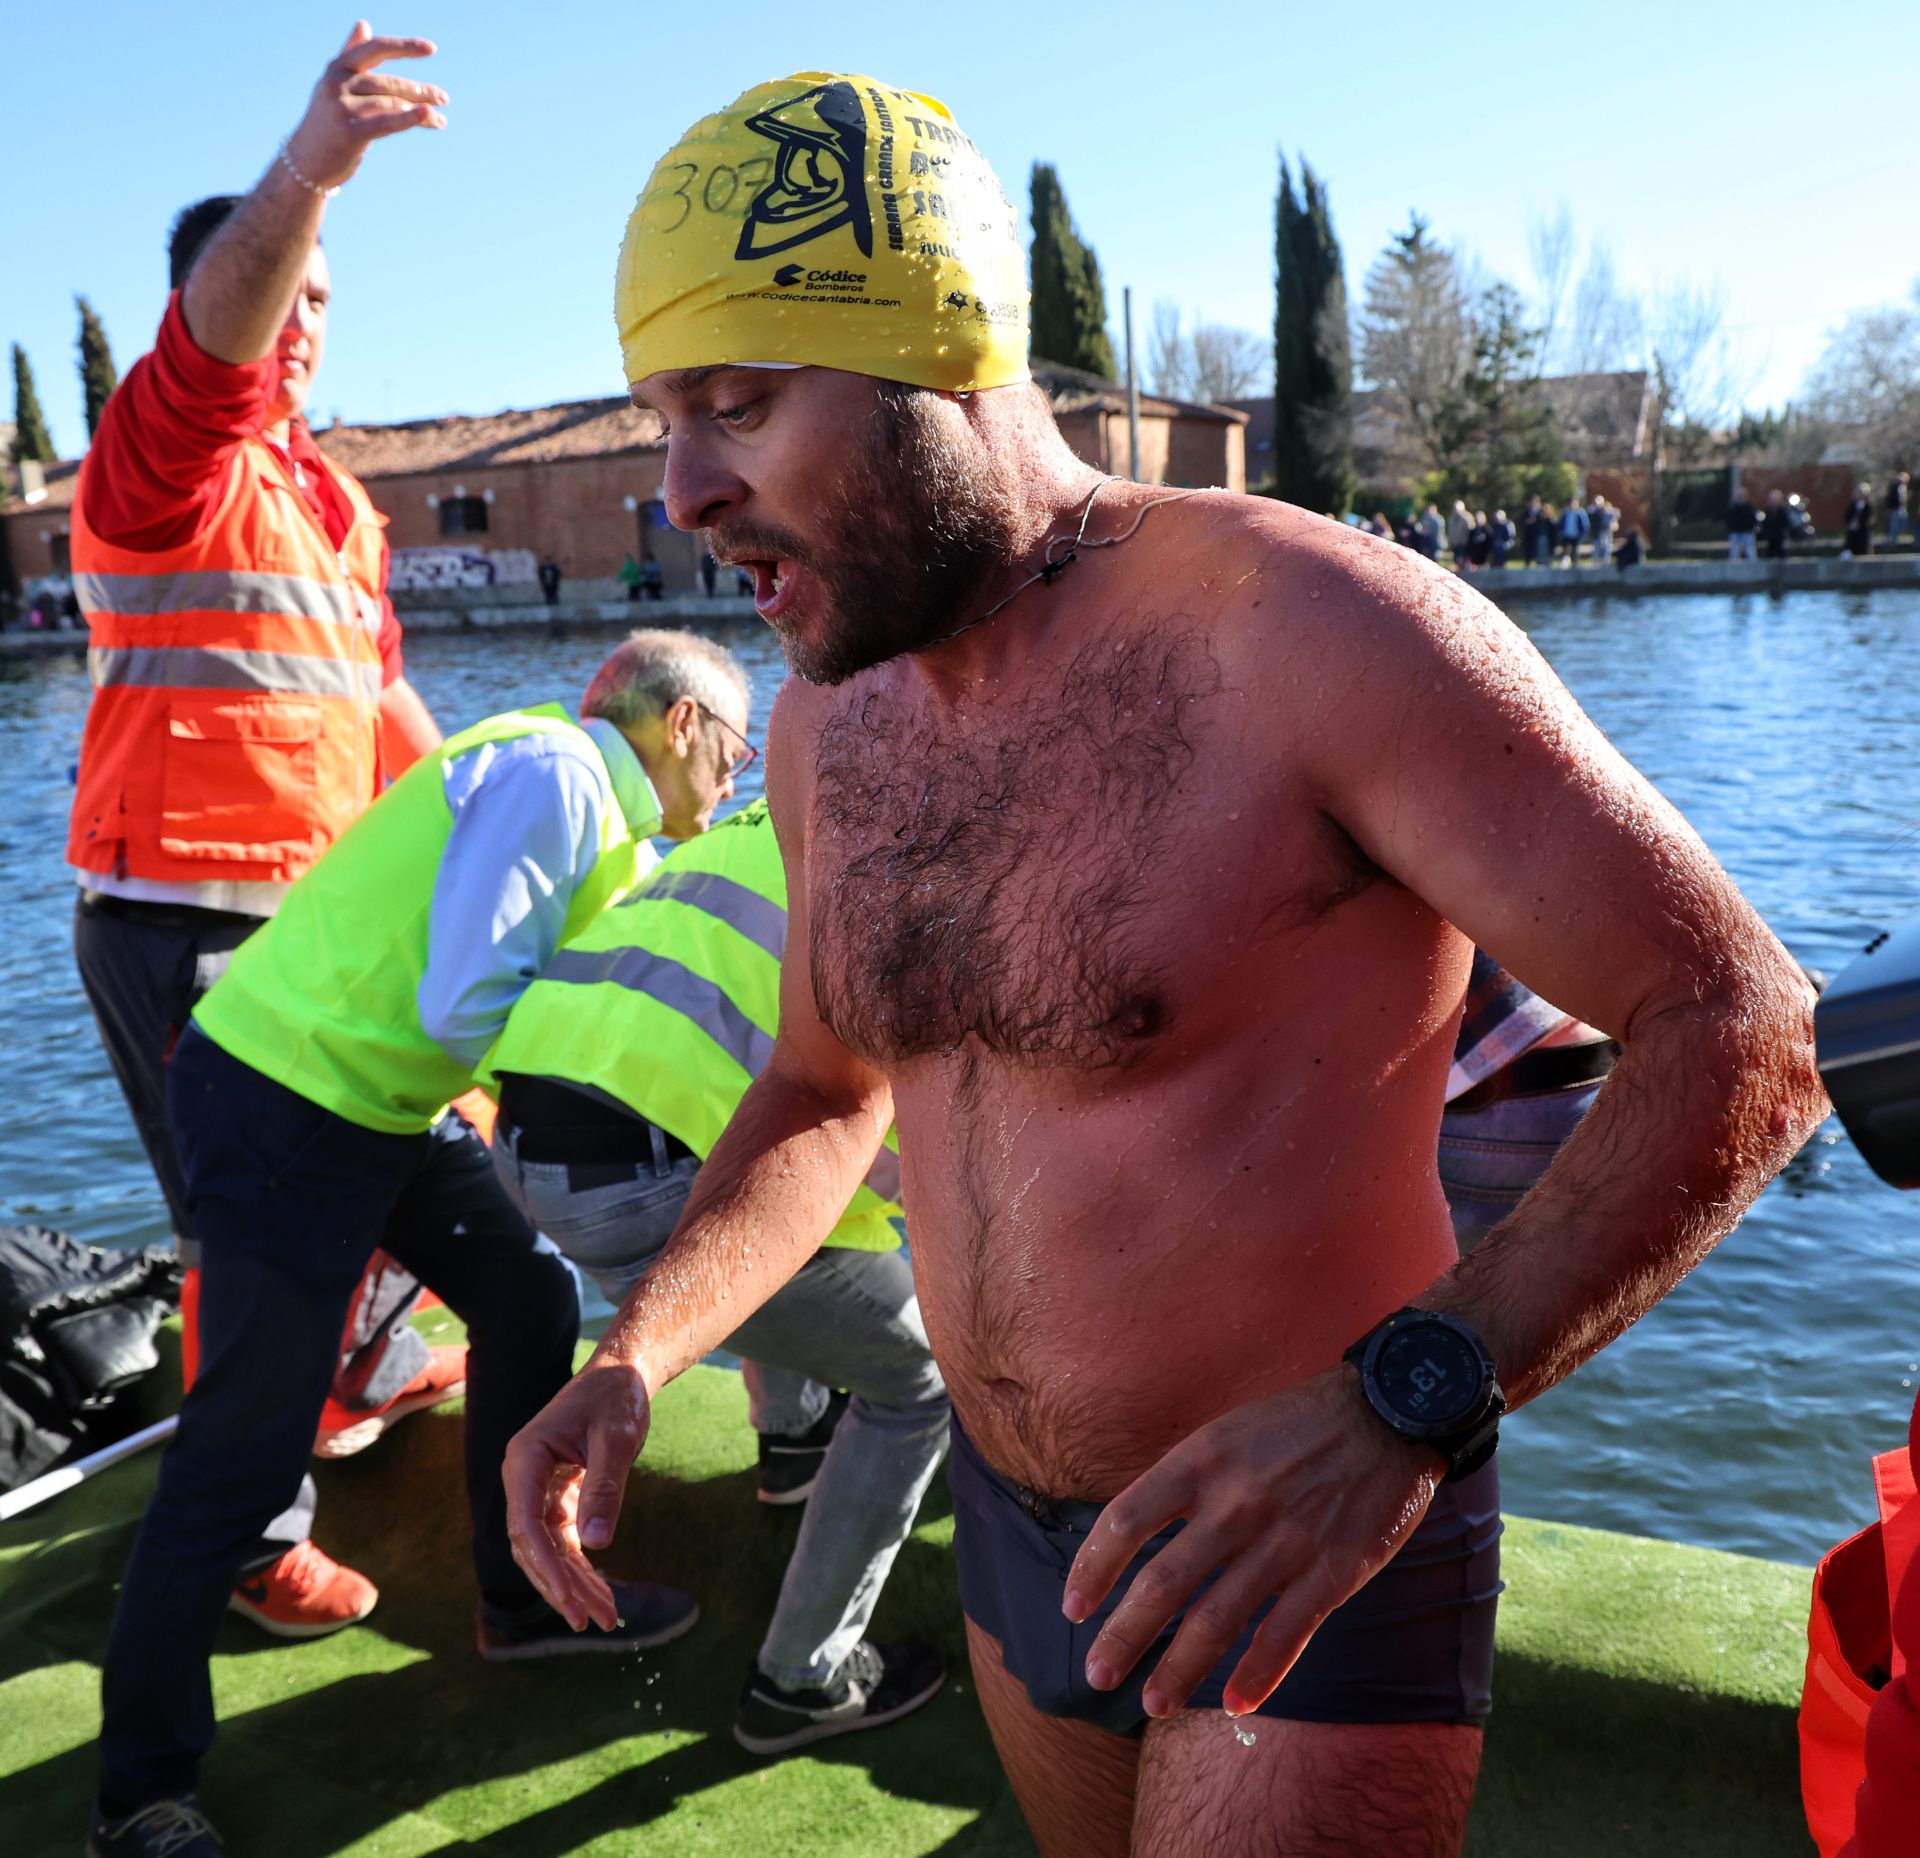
789 1462
650 1614
166 1829
876 1684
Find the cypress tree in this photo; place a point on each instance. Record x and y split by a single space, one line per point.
1069 300
30 436
1312 352
98 377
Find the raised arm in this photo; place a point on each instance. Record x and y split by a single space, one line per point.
237 295
1439 740
776 1183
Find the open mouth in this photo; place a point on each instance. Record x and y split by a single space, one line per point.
773 585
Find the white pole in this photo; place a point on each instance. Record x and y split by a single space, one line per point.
36 1492
1133 391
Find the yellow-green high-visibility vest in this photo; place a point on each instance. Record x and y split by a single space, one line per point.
669 1003
324 998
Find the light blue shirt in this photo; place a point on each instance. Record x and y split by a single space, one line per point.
527 817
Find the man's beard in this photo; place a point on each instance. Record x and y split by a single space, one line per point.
918 528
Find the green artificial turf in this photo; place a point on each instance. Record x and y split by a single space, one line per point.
1645 1692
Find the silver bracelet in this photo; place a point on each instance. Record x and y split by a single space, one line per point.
286 161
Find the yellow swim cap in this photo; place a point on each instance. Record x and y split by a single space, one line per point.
831 222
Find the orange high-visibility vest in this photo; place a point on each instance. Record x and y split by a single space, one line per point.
233 733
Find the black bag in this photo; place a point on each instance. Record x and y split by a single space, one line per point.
77 1326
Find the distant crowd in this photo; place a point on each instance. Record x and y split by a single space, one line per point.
1544 537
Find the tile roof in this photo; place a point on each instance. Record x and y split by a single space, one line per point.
62 480
542 435
600 429
1074 390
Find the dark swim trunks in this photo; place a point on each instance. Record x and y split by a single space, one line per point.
1413 1645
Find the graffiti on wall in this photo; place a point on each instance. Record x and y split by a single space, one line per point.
421 570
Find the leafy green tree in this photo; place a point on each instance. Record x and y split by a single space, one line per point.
1069 300
98 377
1416 338
1312 355
30 436
1494 440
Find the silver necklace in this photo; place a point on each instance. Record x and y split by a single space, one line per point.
1053 565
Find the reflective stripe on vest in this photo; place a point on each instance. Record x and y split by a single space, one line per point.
669 1003
234 729
178 667
325 999
212 590
695 998
762 921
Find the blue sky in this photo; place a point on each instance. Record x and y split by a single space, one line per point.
1764 148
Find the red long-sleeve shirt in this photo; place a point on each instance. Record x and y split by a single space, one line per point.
167 444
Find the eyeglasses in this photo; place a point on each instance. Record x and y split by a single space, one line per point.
748 754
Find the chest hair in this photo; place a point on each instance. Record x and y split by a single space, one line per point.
995 880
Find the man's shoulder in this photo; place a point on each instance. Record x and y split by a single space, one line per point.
1273 570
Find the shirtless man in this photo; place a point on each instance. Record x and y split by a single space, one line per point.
1140 893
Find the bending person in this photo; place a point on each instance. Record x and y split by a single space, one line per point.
618 1071
308 1099
1136 844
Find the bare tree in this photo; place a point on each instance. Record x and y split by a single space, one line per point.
1699 379
1698 382
1603 330
1227 363
1551 246
1169 360
1416 339
1866 385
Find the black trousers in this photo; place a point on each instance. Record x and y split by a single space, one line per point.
289 1202
144 968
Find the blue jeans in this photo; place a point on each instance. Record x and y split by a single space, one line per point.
1490 1158
289 1202
845 1319
1740 545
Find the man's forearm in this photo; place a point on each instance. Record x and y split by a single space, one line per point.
1707 1103
776 1184
237 295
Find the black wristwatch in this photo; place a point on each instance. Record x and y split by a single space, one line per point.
1431 1379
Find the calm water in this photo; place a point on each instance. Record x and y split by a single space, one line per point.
1740 1414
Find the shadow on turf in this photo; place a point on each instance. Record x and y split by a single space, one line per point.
316 1751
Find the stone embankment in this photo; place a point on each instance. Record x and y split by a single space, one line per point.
599 603
1795 574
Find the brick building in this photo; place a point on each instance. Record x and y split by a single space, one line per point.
580 482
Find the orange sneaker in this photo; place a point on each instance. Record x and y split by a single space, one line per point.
304 1595
443 1378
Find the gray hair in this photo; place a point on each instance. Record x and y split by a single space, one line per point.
653 668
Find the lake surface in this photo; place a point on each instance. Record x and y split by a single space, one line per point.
1740 1414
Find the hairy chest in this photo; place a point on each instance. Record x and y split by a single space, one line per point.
1052 879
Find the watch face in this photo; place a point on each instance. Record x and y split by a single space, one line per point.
1430 1374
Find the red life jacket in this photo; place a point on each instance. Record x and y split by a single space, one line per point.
1860 1709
